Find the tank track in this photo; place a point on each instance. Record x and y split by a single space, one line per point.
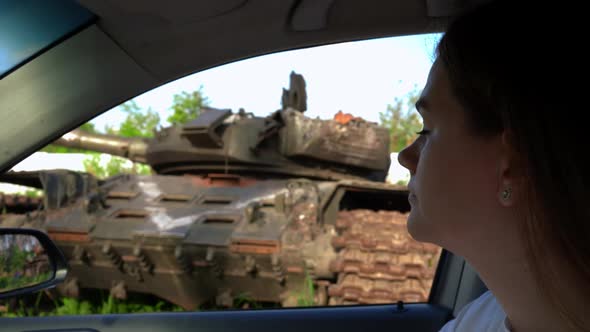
378 261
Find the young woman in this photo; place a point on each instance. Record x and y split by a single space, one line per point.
499 174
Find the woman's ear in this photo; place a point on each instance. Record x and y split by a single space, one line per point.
510 172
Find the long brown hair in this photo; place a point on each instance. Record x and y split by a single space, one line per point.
513 69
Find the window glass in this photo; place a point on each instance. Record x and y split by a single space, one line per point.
231 188
29 26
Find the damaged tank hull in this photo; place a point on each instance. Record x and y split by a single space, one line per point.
191 239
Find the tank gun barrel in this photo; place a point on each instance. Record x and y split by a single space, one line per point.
131 148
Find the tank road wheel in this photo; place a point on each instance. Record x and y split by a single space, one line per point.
378 261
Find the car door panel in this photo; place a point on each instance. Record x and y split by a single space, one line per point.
413 317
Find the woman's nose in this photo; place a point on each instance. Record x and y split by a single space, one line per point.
408 158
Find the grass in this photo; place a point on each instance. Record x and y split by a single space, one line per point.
8 283
306 297
246 301
44 305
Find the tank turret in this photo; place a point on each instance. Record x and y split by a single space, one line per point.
284 144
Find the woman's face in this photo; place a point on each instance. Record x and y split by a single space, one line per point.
455 176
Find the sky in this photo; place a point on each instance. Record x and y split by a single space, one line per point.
360 78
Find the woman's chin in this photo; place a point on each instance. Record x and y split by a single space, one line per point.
418 228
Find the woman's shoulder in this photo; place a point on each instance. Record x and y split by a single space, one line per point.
482 314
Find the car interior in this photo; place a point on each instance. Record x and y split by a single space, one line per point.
108 52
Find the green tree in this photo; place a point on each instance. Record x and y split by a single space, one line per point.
402 121
113 166
187 106
138 123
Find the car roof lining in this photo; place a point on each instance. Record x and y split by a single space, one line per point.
173 44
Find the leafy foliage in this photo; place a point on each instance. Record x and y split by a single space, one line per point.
14 263
88 127
306 295
246 301
33 193
187 106
113 166
138 123
72 306
402 121
8 282
13 259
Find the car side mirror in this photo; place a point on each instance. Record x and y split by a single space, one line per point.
29 262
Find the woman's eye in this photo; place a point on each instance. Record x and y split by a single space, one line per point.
423 132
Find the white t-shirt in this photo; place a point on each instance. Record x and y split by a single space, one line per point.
484 314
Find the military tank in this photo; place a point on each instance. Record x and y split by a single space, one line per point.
283 208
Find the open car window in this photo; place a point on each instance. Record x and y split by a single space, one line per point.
243 186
